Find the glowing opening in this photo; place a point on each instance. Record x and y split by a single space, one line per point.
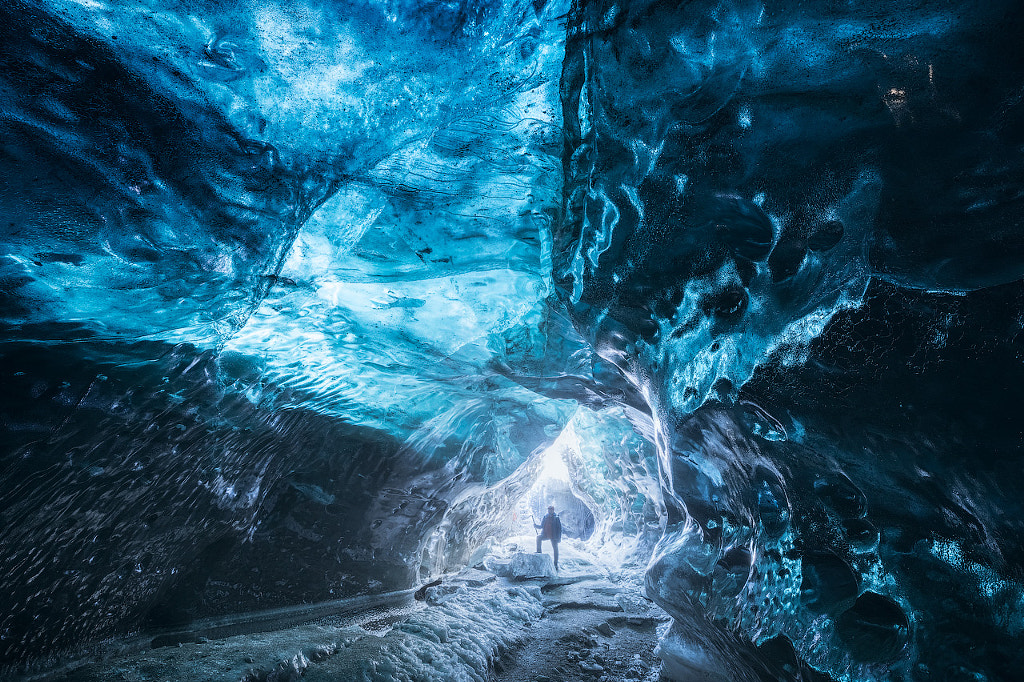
554 466
596 475
553 487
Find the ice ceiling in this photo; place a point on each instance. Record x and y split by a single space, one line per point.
295 296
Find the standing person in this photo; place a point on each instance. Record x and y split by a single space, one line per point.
550 529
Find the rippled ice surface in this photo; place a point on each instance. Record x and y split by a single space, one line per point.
298 300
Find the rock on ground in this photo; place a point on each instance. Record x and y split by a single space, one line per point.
527 565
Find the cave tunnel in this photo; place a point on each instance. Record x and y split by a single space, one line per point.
310 310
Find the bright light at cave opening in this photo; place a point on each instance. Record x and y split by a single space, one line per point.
554 485
554 467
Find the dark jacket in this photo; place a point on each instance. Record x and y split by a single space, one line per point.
551 528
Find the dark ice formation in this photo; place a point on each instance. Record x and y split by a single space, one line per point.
297 299
795 229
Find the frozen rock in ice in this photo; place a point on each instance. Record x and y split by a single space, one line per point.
471 577
499 567
441 593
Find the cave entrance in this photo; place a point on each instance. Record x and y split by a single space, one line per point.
600 474
601 477
553 487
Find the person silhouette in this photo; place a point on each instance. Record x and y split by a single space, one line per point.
550 529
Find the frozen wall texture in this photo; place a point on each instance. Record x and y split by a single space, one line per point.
295 295
796 229
273 292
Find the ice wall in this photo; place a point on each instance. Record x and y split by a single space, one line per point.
273 293
787 226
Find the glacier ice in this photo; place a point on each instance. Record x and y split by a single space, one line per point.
298 299
757 192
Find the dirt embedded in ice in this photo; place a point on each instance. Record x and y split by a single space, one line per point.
597 625
583 645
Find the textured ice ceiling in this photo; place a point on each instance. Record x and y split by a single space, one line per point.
295 295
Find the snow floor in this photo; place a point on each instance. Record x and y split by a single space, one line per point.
587 624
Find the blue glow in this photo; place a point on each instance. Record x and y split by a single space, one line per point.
307 299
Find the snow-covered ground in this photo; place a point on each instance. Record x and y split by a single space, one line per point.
588 622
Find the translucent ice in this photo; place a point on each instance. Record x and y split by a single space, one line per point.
297 297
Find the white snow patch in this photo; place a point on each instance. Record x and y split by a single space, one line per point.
453 641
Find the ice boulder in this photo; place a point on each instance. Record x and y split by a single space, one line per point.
440 594
497 566
471 577
526 565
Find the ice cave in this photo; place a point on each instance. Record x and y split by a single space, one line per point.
311 309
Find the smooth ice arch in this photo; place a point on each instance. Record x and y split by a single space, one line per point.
295 295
